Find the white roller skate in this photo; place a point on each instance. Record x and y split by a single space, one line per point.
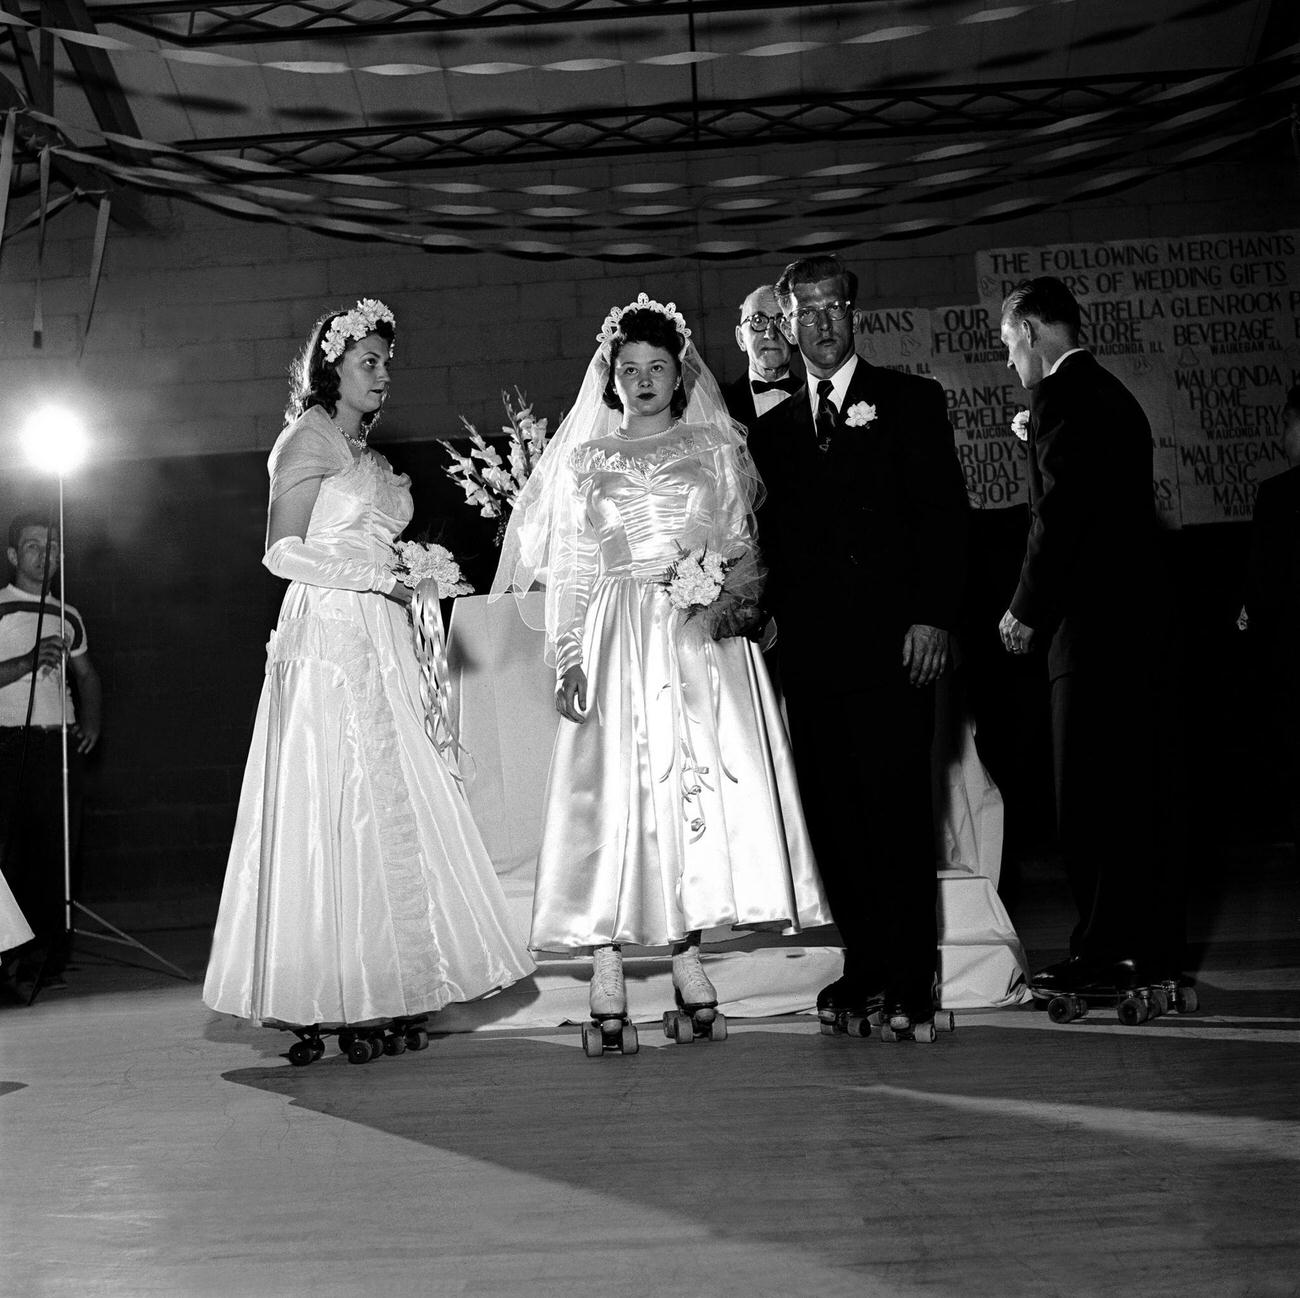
697 1002
610 1028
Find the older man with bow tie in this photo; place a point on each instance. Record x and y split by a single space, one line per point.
768 381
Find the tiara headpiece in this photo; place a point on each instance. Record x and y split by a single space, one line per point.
354 325
610 330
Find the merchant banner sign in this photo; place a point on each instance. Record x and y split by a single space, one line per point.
1205 331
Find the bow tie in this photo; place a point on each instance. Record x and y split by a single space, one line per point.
788 385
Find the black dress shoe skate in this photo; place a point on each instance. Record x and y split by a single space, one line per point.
1109 975
1080 973
848 994
1063 976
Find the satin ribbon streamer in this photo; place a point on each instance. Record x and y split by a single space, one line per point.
435 673
690 774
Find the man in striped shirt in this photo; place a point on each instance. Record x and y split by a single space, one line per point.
34 637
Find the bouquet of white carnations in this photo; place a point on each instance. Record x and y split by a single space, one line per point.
696 579
418 561
717 597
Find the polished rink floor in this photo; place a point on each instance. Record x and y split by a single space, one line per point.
151 1147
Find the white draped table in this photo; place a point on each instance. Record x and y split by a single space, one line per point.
503 696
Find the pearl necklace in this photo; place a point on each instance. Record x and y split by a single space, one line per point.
624 436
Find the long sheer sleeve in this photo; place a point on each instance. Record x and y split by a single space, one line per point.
578 555
733 529
734 535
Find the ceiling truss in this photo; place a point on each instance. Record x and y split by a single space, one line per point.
250 22
955 112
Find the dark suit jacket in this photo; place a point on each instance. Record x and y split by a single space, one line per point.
1092 577
1273 577
740 400
867 538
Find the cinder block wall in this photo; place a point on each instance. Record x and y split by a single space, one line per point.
182 382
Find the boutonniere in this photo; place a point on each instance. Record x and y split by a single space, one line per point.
860 415
1020 424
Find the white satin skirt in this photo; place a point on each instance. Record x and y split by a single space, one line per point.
358 887
14 929
674 805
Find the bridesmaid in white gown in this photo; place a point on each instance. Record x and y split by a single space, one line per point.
671 804
358 888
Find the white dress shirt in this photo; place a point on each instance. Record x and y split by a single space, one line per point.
765 401
839 385
1062 357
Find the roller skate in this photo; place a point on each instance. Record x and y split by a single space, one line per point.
610 1028
903 1024
919 1019
361 1042
1069 990
696 1014
844 1008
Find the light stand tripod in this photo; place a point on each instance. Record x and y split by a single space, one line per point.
61 454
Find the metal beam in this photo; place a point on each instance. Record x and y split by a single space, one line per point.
716 124
127 209
95 73
247 22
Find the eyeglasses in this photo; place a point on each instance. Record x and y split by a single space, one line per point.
808 316
760 323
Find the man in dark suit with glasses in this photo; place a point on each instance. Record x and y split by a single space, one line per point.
768 381
864 531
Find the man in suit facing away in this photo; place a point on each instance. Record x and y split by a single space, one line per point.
1273 604
768 381
864 532
1093 593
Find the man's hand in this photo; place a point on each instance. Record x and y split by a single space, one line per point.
49 655
571 695
1016 636
86 737
925 654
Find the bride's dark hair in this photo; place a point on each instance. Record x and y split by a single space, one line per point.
314 381
655 328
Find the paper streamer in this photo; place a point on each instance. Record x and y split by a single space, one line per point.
219 167
1021 204
96 265
38 312
7 166
680 58
265 199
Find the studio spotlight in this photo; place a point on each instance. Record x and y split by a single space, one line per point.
54 440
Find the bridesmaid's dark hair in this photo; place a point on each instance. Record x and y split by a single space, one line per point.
314 381
655 328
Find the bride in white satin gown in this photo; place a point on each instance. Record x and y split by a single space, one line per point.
671 804
358 888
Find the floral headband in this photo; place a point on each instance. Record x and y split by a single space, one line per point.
610 332
354 325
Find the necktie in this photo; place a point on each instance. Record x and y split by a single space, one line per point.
789 385
826 414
